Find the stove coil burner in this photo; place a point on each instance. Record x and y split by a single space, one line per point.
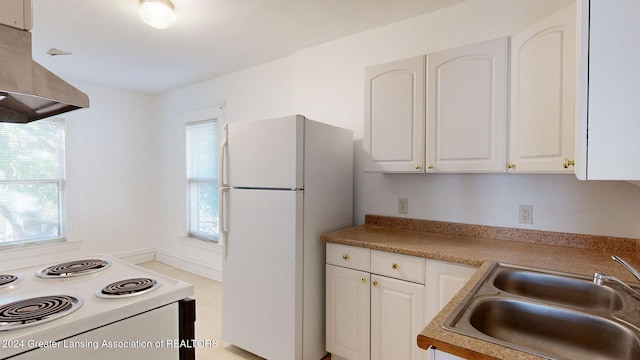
34 311
8 280
73 268
128 288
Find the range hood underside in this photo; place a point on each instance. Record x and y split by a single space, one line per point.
28 91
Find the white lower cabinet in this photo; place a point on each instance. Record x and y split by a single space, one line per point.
378 302
397 316
348 314
444 280
439 355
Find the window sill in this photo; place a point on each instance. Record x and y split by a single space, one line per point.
34 244
200 243
19 256
195 237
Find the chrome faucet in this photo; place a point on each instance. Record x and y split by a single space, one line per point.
599 278
631 269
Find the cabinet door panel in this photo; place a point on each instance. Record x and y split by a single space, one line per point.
397 317
610 32
348 309
467 108
543 94
444 280
394 116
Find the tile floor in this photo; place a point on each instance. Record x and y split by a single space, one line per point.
208 295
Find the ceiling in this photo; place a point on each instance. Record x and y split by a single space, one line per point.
111 46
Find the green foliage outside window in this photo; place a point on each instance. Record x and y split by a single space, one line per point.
31 181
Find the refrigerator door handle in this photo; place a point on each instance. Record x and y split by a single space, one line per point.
222 190
222 157
222 219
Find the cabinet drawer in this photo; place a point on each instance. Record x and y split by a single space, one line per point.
404 267
348 256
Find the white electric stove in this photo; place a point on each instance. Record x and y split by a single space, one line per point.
96 307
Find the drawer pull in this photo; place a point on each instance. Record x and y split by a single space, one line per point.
345 257
363 280
375 283
566 163
394 266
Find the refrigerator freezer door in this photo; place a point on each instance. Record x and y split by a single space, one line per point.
266 153
262 284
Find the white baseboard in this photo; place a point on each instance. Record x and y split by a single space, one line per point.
180 261
139 256
191 265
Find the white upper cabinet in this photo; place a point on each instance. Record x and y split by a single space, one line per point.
543 95
466 104
467 92
508 104
609 90
394 113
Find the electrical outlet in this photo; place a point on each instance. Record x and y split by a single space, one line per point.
525 214
403 206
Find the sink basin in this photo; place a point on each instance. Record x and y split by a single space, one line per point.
550 314
556 332
563 290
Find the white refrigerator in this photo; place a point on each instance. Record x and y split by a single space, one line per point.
284 182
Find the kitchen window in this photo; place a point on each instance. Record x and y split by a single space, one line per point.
202 179
32 182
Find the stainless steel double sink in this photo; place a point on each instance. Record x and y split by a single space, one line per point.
551 314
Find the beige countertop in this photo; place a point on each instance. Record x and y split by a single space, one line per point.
480 246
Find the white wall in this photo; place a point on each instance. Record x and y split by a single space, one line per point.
334 92
262 91
329 78
325 83
560 202
126 169
111 179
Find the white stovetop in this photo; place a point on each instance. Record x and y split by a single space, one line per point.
95 311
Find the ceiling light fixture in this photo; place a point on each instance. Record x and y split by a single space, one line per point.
157 13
